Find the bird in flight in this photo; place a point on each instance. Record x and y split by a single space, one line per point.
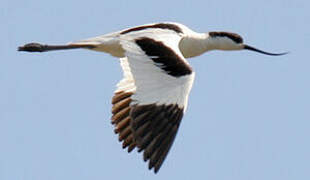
150 100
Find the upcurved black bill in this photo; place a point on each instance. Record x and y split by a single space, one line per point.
247 47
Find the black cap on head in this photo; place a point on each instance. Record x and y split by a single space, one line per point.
233 36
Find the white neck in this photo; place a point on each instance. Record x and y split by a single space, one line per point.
198 43
194 45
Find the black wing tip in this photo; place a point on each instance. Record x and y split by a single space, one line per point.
156 170
158 147
31 47
152 167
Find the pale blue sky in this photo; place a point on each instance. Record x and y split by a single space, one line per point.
248 116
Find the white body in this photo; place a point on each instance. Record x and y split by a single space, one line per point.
157 76
155 86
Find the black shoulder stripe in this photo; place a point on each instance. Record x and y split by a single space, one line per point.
233 36
172 27
164 57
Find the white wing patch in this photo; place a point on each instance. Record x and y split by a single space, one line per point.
148 81
127 84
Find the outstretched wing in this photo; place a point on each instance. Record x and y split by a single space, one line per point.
150 100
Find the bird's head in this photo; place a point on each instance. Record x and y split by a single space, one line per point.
232 41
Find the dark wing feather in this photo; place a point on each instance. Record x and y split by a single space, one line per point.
121 119
154 128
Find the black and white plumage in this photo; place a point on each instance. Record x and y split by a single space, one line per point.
150 100
157 81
